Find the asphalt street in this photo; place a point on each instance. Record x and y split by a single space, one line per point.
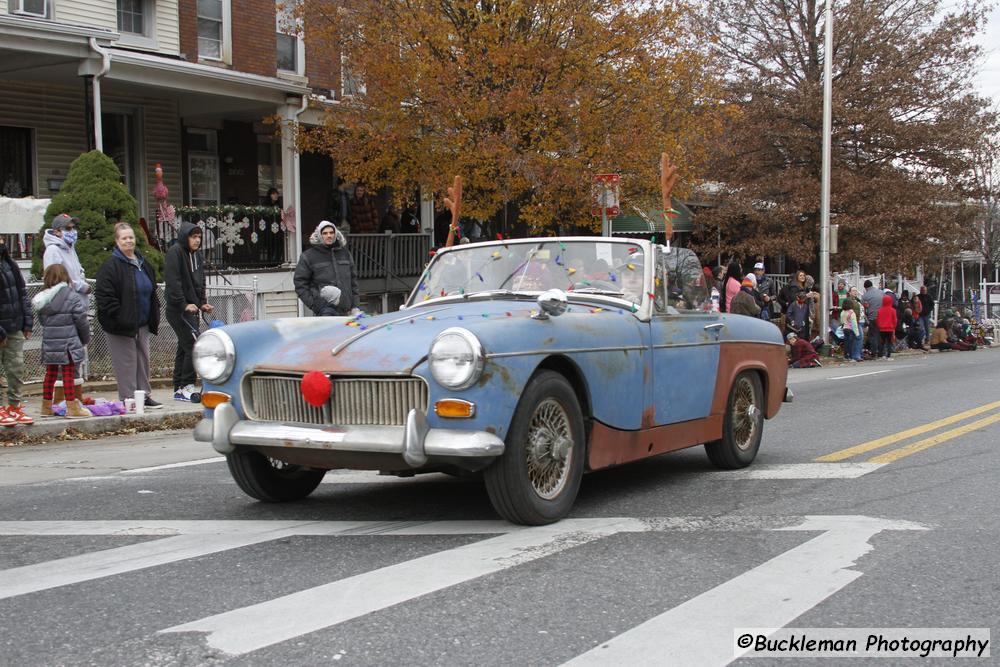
872 504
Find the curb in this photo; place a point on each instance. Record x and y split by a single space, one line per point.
34 389
54 426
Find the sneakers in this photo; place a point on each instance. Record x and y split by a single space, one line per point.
17 412
184 393
6 419
153 405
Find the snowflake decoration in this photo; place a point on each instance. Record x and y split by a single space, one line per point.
262 225
230 231
274 228
253 237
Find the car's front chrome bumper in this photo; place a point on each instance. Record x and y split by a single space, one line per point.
416 442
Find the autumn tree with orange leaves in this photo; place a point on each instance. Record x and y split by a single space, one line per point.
525 100
906 125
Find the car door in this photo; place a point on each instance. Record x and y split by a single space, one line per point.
685 344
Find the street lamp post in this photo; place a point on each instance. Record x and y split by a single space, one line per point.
824 223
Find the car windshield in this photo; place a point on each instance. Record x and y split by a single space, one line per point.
590 267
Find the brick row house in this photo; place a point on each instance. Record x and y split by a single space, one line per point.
186 84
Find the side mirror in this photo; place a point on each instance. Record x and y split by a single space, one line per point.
551 303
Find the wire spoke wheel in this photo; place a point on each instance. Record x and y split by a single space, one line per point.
745 414
537 478
549 450
742 426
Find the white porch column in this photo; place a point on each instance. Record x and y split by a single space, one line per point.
93 70
292 193
426 211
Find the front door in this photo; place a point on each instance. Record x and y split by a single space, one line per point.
684 339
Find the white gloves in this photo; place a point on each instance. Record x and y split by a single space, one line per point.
331 293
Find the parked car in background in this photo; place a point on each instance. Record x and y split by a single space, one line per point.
531 361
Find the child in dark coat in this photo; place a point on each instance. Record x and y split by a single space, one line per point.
63 315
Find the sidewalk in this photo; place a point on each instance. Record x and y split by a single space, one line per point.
173 414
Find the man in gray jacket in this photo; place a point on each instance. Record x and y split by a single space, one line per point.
325 278
871 300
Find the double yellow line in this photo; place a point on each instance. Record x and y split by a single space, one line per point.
920 445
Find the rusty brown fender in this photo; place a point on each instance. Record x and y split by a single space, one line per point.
768 358
610 447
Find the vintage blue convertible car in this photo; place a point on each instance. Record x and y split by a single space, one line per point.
531 361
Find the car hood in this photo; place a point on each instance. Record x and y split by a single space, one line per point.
399 341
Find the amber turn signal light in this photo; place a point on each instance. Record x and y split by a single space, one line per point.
454 407
212 399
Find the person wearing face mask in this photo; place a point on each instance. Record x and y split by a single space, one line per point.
184 278
16 323
128 310
60 248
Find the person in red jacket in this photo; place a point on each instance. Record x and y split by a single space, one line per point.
885 320
802 353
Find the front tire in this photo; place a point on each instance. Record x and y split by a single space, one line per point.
270 480
743 425
537 478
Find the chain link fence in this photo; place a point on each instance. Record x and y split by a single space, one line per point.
232 303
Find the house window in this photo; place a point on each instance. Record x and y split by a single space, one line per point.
16 164
268 165
131 17
39 8
213 30
290 44
351 83
203 167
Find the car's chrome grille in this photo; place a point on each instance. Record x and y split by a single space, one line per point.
354 401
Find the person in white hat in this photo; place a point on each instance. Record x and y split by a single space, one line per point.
764 289
326 280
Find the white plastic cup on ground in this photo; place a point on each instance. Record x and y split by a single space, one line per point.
129 405
140 402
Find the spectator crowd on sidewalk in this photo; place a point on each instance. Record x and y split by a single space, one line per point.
868 325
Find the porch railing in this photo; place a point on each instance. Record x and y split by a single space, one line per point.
234 237
391 257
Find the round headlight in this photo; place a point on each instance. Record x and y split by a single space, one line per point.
456 358
214 356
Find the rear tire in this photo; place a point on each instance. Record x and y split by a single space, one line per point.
743 424
270 480
537 478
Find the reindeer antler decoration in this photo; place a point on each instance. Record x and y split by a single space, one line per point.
668 178
454 203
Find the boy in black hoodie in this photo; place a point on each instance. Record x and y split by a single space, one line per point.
184 275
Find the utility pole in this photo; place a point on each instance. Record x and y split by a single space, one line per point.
824 223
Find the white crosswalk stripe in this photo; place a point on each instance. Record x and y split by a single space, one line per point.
810 470
770 595
700 629
244 630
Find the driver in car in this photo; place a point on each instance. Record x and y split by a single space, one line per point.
535 277
631 274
